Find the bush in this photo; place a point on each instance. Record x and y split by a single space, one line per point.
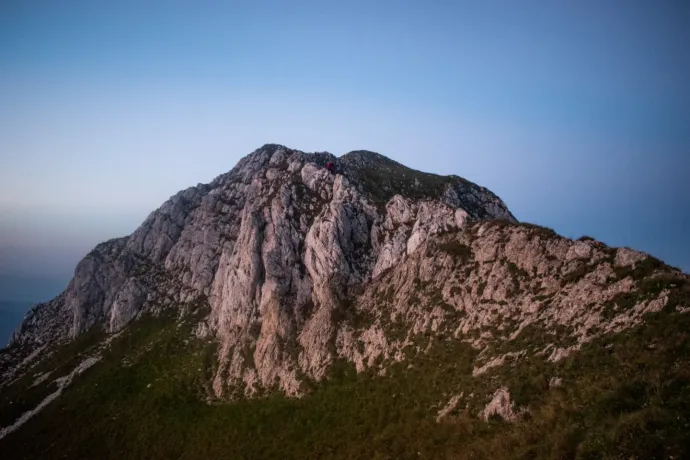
517 271
457 250
575 275
539 231
642 269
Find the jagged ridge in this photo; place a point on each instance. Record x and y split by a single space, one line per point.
275 245
296 272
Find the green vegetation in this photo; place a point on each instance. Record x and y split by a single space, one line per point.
383 178
642 269
357 318
647 289
534 230
459 251
499 223
516 271
539 231
23 395
623 396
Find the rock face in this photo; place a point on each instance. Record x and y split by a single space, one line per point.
274 246
501 406
287 256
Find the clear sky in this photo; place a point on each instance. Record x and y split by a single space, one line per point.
577 114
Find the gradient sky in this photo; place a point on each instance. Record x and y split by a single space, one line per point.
577 114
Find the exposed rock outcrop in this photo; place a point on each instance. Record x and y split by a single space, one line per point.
500 406
287 255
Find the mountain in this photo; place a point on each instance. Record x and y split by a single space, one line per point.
371 312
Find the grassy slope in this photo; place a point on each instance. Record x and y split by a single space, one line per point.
624 397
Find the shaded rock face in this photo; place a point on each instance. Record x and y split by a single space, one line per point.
97 283
275 247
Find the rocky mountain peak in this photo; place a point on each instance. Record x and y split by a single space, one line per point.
275 246
286 270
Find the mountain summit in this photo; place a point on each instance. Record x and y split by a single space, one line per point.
282 277
274 247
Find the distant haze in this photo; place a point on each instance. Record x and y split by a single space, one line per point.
11 314
577 114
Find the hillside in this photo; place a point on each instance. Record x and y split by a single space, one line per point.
282 311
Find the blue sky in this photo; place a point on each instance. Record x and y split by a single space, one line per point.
577 115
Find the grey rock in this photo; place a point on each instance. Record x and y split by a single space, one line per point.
626 257
500 405
127 304
278 248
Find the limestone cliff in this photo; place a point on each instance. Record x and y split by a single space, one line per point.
299 266
274 246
